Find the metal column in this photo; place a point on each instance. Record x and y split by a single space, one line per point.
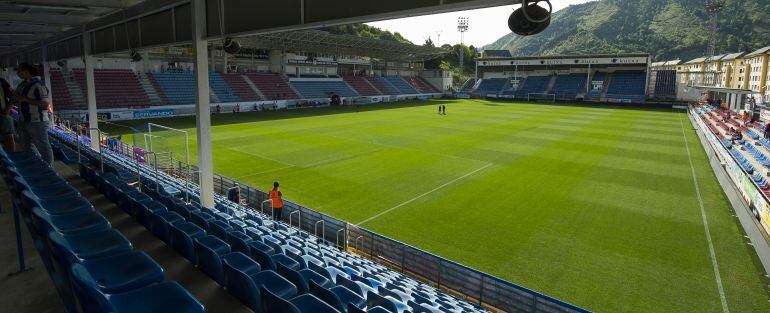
93 123
202 103
47 77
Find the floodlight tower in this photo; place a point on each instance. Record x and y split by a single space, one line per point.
713 7
462 27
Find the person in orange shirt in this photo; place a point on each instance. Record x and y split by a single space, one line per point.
276 202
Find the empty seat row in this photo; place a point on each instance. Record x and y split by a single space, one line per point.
267 264
93 266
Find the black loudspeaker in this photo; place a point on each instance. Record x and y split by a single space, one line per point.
533 22
135 55
60 63
231 46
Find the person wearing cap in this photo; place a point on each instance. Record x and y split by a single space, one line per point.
234 194
6 121
276 202
31 97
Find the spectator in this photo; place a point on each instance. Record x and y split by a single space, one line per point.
32 98
219 109
234 193
276 202
6 121
767 130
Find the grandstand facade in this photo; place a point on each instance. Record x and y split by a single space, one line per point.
605 78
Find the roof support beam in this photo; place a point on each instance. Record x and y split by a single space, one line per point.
50 19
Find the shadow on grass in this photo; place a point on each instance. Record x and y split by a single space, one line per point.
251 117
140 126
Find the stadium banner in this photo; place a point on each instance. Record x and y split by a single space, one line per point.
121 115
103 116
153 113
749 191
462 95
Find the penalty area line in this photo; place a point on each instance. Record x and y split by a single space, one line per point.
423 195
718 277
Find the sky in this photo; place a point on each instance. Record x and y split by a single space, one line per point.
486 25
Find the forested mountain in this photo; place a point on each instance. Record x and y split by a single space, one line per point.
363 30
666 29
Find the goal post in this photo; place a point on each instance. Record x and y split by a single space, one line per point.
541 97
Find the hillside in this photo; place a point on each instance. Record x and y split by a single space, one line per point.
667 29
363 30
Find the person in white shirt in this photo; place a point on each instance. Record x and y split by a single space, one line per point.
32 99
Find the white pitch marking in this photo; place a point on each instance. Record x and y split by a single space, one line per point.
705 223
423 195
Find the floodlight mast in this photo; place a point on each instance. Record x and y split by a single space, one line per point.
713 7
462 27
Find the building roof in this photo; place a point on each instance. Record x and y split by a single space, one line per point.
697 60
760 51
733 56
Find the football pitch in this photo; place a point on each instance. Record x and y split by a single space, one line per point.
596 206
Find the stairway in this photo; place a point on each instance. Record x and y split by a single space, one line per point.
155 99
78 96
254 87
606 86
373 86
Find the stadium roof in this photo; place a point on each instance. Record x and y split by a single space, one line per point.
23 23
760 51
120 25
325 42
497 54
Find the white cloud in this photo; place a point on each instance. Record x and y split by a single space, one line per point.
486 25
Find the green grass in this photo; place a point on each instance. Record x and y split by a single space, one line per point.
594 206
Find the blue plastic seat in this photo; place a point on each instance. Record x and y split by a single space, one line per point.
239 241
238 225
259 246
113 274
161 222
390 304
302 304
183 235
246 287
220 229
210 251
201 219
238 262
168 296
79 247
338 297
70 223
145 209
302 278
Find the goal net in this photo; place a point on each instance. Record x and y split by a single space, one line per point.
541 97
166 148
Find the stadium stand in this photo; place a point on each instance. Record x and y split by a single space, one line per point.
93 266
665 84
419 84
361 85
402 86
317 89
264 263
221 88
59 90
382 85
533 84
272 85
240 87
469 84
569 86
627 86
177 88
491 86
114 88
